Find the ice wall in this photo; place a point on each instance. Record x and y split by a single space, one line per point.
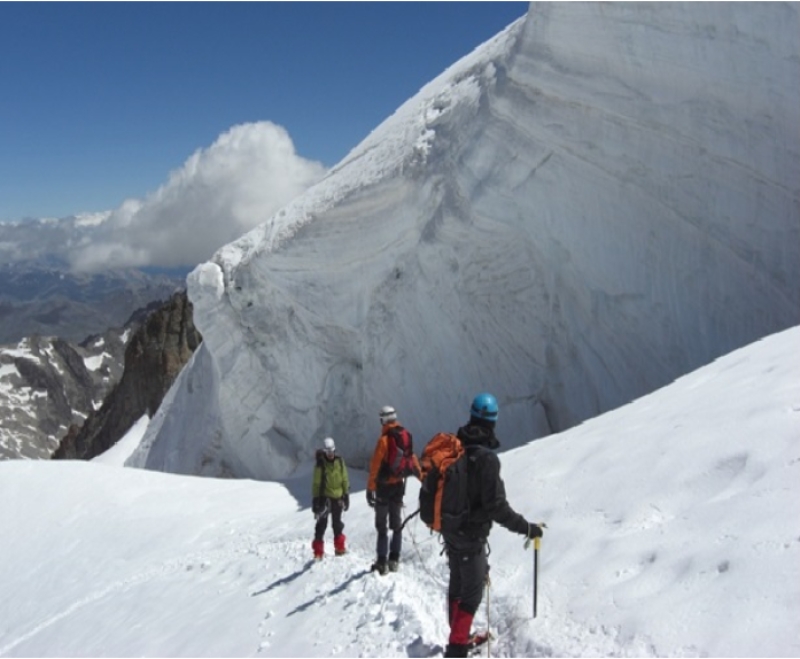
600 199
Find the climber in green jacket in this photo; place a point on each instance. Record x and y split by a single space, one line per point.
330 492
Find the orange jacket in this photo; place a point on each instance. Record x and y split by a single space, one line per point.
379 457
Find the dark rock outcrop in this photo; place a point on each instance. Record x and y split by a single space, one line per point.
155 355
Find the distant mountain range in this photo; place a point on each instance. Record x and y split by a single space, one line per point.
41 294
37 299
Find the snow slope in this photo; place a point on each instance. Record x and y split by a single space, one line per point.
672 532
596 201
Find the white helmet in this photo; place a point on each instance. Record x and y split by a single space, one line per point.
329 445
388 414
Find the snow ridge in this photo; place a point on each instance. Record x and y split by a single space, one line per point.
402 141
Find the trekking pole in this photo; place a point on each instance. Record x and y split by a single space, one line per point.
488 616
536 545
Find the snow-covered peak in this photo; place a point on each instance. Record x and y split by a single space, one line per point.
588 206
404 140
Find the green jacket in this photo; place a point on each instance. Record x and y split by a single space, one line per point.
337 483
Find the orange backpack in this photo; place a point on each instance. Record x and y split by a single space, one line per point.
443 498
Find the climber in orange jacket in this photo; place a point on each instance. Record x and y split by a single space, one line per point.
392 462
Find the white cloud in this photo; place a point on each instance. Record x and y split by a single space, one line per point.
91 219
219 193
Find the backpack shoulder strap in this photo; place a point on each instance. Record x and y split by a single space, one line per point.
324 475
392 442
478 454
394 432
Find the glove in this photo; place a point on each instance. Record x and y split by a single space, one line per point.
317 505
534 531
345 501
372 498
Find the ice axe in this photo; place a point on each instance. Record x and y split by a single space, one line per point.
537 543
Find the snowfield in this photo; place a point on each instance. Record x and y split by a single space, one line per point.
672 531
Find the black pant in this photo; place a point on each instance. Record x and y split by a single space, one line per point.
468 572
335 506
390 511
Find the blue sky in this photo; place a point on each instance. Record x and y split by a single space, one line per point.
101 101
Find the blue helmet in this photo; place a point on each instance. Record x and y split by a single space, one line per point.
484 406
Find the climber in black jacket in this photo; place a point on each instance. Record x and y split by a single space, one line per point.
467 547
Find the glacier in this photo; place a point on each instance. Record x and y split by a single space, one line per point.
598 200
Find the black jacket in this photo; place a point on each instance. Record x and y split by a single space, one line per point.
486 490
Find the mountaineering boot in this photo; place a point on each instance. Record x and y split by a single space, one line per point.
473 645
459 628
478 639
318 546
380 566
394 562
456 650
338 544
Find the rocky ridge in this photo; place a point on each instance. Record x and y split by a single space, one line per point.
47 384
154 356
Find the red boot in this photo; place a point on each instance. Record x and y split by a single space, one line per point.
452 607
338 544
319 549
460 626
